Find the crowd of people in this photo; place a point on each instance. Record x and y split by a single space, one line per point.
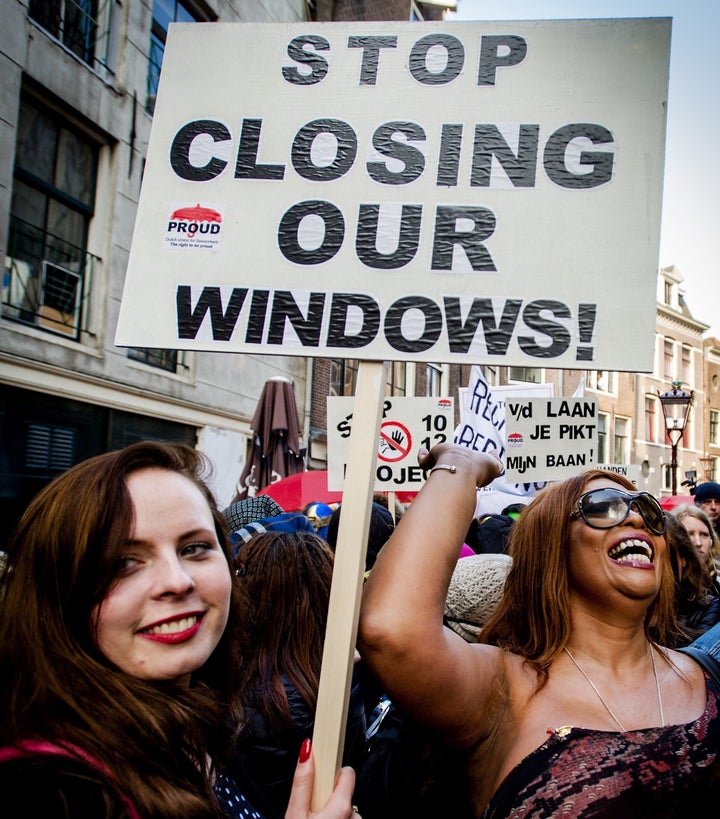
160 657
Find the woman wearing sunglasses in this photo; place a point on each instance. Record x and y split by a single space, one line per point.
567 706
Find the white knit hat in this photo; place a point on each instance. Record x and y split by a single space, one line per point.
475 590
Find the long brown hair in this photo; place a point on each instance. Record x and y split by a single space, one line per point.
284 581
534 617
56 685
688 511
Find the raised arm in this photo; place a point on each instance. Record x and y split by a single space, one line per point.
427 669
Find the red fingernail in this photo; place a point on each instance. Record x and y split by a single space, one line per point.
305 750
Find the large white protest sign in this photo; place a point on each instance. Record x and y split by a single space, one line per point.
452 192
406 425
549 438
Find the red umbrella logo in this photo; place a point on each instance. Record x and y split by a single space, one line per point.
197 214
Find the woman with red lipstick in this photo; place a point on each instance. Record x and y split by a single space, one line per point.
119 661
567 706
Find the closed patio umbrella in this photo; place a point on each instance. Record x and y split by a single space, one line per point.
276 451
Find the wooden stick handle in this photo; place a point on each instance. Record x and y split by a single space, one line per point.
346 589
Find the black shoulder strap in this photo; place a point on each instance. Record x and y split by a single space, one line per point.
707 661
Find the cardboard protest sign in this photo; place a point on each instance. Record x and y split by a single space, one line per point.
549 438
482 428
406 424
451 192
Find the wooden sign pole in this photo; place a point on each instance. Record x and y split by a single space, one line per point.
345 592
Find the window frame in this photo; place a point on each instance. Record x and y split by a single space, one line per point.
45 199
343 376
669 359
594 381
621 443
651 419
603 426
98 49
518 375
158 41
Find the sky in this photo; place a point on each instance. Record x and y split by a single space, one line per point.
691 202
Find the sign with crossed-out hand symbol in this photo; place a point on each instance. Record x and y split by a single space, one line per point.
395 441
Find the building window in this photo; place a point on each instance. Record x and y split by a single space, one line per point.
621 441
600 380
667 476
343 376
714 423
668 291
49 448
602 437
433 379
668 359
492 375
531 375
650 419
49 269
164 12
162 359
84 27
687 365
397 379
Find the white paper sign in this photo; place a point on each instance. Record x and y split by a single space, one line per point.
406 425
451 192
549 438
629 471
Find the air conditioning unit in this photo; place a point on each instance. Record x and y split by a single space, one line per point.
60 296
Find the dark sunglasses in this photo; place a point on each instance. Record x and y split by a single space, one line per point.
605 508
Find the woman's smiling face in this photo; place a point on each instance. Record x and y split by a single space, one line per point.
625 558
166 613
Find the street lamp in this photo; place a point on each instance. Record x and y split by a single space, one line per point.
676 405
707 463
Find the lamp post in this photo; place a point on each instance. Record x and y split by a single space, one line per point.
676 404
707 462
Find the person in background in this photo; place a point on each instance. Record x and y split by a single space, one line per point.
697 608
704 538
567 705
284 590
381 527
119 650
284 522
707 497
244 511
476 588
490 534
319 515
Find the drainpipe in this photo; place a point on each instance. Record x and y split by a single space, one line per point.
309 361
